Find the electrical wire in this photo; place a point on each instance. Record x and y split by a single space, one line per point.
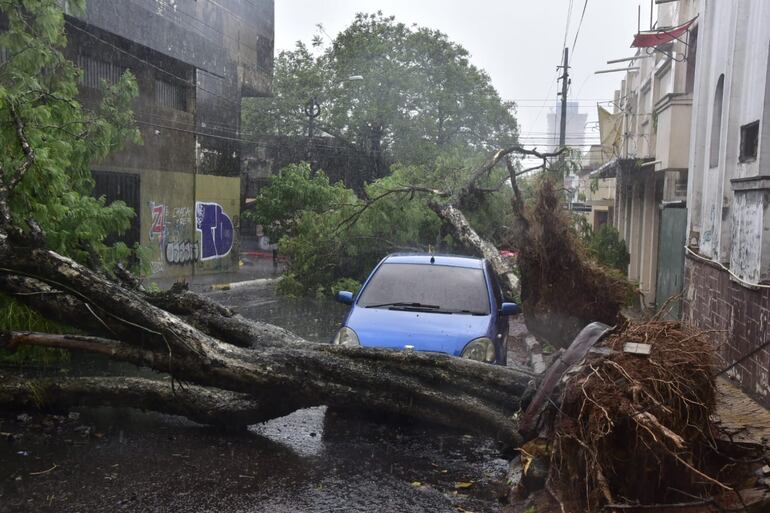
580 24
724 267
566 27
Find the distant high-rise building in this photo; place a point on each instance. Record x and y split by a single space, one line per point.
576 123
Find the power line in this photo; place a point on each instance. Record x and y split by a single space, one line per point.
566 27
580 24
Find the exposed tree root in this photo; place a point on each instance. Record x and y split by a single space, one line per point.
633 428
562 289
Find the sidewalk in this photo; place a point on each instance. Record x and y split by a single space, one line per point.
252 267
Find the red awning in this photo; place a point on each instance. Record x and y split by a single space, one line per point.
659 37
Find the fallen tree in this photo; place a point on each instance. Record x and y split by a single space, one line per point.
280 371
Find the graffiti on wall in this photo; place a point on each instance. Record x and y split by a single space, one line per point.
173 231
182 216
216 229
158 224
182 252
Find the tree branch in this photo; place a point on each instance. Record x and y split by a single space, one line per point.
485 168
29 152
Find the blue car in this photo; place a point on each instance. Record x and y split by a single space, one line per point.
434 303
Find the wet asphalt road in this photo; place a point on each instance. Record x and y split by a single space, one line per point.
310 461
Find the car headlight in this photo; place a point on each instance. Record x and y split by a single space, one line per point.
481 350
346 337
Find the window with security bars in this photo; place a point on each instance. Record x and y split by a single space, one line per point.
173 96
96 70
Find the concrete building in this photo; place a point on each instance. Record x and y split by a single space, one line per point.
728 225
193 61
651 161
595 194
576 126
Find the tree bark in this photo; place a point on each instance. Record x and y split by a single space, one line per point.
464 232
203 405
281 372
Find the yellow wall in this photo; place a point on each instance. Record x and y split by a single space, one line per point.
225 192
167 218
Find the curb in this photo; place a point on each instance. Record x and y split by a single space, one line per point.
248 283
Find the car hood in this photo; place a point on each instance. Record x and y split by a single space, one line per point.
426 331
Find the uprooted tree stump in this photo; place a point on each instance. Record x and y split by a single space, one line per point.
562 288
628 429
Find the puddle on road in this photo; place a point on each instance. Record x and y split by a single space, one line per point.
301 431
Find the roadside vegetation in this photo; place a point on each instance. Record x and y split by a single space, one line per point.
48 142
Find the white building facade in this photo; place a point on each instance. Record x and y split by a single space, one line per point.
728 226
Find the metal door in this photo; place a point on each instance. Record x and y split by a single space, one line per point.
671 241
124 187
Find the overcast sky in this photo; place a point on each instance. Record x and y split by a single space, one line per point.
518 42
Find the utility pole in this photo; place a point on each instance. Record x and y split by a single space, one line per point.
312 110
564 86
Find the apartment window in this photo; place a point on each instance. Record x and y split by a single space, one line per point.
749 142
96 70
716 123
173 96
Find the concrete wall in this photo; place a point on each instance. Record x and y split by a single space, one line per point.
227 38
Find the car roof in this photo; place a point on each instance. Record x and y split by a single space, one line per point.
424 258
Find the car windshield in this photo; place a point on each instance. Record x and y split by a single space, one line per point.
432 287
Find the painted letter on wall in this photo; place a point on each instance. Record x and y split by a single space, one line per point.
216 229
158 226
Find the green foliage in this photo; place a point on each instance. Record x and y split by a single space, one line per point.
594 185
15 316
51 183
609 249
328 233
419 94
348 284
39 85
420 105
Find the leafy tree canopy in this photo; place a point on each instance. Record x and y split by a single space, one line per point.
418 94
48 140
333 238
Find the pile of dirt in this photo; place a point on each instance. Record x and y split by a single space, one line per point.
562 288
635 428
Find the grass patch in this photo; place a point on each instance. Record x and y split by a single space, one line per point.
15 316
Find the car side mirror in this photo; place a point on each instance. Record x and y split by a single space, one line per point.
345 297
509 309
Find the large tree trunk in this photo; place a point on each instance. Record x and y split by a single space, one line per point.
201 404
281 372
466 235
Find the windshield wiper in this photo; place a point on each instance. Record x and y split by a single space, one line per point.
399 304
